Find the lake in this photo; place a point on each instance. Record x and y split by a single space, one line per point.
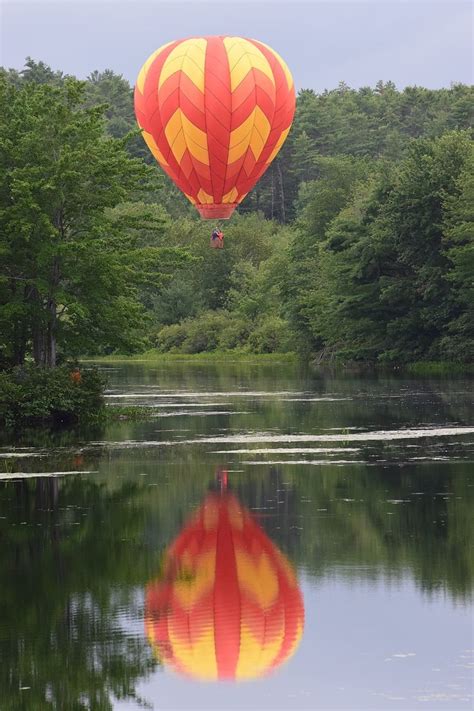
273 538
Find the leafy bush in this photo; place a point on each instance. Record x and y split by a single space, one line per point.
219 330
271 336
63 394
203 333
234 335
171 338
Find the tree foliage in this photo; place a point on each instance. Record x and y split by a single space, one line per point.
389 281
71 272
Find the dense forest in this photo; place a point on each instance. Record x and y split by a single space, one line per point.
356 245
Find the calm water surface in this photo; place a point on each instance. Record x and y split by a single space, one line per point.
272 539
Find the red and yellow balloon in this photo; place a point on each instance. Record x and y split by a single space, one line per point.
215 111
228 605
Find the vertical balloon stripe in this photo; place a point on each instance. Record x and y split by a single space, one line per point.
144 70
218 104
250 124
227 600
284 113
278 63
153 119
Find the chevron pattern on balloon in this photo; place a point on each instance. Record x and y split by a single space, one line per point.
214 112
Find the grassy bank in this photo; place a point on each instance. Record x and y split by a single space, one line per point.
154 356
235 356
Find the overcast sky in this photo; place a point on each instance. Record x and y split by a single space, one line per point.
427 42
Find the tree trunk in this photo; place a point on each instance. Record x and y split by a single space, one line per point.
44 337
45 325
19 330
38 342
282 191
273 199
19 343
50 349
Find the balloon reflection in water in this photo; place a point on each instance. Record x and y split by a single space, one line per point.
228 605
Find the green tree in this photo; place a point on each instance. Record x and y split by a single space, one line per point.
417 284
458 341
69 271
319 202
387 284
116 94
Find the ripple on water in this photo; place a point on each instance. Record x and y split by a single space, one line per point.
21 455
377 435
265 437
288 450
198 413
314 462
170 405
36 475
176 394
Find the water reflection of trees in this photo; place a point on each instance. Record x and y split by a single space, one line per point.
69 578
344 520
373 399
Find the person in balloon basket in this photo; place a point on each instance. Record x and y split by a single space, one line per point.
217 239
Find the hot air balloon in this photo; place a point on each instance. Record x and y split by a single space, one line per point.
228 605
215 111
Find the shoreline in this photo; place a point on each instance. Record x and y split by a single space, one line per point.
205 357
291 358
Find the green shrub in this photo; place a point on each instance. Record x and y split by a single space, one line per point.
10 393
271 336
234 335
220 330
203 333
171 337
64 394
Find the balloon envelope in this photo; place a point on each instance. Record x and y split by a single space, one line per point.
229 606
215 111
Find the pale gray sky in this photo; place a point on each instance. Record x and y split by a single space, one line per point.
423 42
